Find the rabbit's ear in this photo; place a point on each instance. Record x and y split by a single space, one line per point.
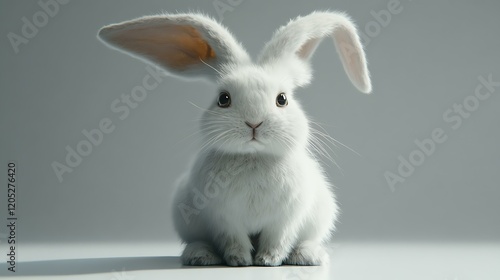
187 45
300 37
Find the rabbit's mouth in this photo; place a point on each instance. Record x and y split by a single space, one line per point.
254 145
255 141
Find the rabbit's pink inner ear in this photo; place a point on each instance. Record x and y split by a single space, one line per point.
353 58
307 50
174 46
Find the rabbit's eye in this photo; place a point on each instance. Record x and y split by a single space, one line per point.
281 100
224 100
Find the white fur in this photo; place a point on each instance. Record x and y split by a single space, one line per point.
272 190
229 51
300 38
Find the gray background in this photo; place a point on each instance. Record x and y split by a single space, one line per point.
426 59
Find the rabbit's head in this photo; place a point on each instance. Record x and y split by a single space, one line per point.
254 109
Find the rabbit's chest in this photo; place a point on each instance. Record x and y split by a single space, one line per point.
256 180
255 192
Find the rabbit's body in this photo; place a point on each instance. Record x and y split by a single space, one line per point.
286 201
255 194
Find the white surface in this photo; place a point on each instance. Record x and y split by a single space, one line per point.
429 261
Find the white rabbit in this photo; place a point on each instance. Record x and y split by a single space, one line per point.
255 194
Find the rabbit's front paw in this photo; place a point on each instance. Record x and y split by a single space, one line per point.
267 258
238 257
238 260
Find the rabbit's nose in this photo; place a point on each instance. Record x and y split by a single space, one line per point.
254 126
